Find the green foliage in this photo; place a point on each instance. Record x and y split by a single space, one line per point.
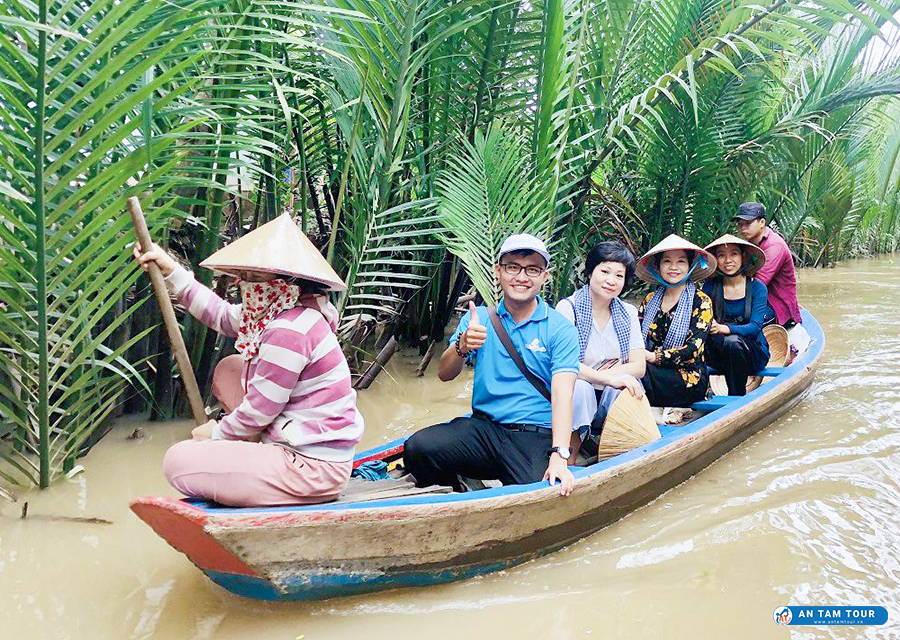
73 142
489 191
408 137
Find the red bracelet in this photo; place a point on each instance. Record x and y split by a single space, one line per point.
460 353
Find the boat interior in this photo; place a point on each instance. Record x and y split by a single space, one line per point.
379 474
389 480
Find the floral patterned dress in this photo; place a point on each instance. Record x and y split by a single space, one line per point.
679 378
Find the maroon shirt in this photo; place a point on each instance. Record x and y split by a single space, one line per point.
779 277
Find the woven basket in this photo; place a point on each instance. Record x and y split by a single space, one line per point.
628 425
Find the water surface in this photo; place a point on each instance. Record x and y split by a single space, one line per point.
805 512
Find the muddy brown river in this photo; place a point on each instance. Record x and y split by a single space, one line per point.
805 512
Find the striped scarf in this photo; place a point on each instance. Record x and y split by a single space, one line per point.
584 321
681 321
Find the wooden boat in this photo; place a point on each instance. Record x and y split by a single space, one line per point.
322 551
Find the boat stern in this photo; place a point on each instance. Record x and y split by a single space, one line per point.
183 526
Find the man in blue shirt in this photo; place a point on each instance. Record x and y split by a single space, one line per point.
514 433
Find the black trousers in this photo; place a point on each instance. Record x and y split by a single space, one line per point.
736 358
771 319
666 388
479 448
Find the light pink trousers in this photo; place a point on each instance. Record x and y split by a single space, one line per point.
245 474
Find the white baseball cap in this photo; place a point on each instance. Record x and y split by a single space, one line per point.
524 242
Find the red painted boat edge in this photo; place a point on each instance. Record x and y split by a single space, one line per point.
379 455
184 527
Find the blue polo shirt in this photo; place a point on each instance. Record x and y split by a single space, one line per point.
548 344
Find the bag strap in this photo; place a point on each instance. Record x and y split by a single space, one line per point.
574 312
748 299
718 297
536 382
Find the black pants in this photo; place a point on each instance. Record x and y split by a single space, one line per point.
479 448
666 387
736 358
771 319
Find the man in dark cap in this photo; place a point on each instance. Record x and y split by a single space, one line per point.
778 272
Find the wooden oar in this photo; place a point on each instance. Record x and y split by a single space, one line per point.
168 313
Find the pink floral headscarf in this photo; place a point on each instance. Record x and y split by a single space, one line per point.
264 301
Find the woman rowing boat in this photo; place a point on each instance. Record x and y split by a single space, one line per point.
292 424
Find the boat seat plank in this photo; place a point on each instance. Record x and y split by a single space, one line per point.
768 372
716 402
359 490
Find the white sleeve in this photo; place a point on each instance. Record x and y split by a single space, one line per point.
179 280
567 309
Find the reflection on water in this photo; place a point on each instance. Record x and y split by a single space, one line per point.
806 512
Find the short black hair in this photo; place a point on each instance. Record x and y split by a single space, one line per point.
610 251
522 253
308 286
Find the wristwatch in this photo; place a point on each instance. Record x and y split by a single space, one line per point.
563 452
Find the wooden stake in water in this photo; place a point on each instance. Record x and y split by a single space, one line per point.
168 313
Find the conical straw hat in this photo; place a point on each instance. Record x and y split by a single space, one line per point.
278 247
755 255
779 347
669 243
719 386
629 424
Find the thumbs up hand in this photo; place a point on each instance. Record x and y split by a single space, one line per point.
474 336
474 320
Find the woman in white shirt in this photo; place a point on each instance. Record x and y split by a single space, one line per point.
609 336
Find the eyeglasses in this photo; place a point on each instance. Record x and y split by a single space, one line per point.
514 269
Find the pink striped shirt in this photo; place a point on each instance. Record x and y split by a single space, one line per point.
298 388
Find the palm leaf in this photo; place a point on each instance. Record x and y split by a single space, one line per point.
63 259
489 191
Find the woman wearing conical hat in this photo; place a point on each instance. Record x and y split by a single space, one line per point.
675 320
292 426
736 346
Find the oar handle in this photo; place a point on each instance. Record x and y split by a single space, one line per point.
168 313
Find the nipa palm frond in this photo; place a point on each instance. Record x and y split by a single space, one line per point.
488 191
82 132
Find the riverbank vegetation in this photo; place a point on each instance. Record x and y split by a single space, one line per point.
407 137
